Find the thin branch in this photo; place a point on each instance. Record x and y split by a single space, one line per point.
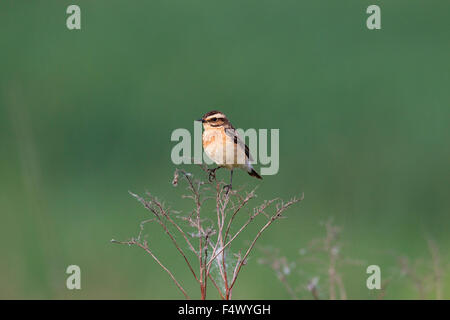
250 219
146 248
276 216
437 270
228 205
149 207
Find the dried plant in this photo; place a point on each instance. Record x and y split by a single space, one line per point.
281 267
426 276
438 273
209 240
320 252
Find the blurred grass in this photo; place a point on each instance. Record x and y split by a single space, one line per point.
87 115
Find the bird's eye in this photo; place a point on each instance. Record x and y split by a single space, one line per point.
214 119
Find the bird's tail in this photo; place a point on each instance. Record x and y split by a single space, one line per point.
253 173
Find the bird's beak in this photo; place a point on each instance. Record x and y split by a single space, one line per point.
201 120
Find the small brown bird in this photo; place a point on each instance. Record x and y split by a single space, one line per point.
223 145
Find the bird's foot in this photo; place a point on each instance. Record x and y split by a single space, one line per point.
212 174
228 188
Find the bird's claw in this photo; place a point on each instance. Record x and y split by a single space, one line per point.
212 174
228 188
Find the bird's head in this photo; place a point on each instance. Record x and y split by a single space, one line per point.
215 119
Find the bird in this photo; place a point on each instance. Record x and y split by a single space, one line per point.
224 146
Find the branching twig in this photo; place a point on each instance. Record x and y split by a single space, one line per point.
209 251
146 248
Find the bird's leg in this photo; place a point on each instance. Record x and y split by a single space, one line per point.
212 174
229 186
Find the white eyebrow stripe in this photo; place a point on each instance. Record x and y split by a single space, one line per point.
218 116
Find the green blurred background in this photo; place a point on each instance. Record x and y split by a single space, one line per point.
87 115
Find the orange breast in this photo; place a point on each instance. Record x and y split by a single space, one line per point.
207 141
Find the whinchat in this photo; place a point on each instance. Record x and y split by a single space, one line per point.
224 146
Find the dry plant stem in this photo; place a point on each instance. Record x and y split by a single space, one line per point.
220 211
312 287
222 243
206 249
164 213
424 282
340 285
332 250
279 265
249 196
437 270
202 245
315 294
277 215
410 271
322 251
146 248
288 287
250 219
332 277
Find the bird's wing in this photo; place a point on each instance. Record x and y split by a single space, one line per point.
232 133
